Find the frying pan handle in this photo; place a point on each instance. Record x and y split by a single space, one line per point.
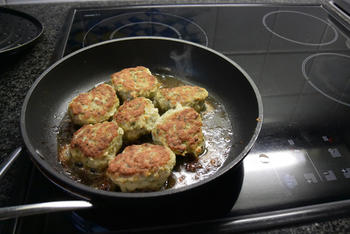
38 208
8 162
42 208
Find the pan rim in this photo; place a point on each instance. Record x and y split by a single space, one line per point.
69 182
31 18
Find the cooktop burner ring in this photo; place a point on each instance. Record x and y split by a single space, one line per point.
265 23
183 27
145 22
322 83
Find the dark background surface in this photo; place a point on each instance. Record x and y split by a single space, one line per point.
18 73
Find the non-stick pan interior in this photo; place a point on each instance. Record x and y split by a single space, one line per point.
47 101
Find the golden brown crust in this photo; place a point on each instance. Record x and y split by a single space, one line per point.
139 160
136 81
182 131
186 95
131 110
93 140
94 104
182 94
137 118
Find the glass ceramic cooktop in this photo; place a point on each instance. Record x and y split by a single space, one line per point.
300 61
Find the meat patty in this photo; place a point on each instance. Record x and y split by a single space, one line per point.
94 146
135 82
95 106
192 96
180 129
137 117
143 167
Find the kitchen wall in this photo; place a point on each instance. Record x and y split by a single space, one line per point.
16 2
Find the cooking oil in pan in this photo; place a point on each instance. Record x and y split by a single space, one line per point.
218 137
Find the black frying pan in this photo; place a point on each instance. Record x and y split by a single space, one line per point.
46 103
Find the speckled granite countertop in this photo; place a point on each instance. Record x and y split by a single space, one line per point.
17 77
